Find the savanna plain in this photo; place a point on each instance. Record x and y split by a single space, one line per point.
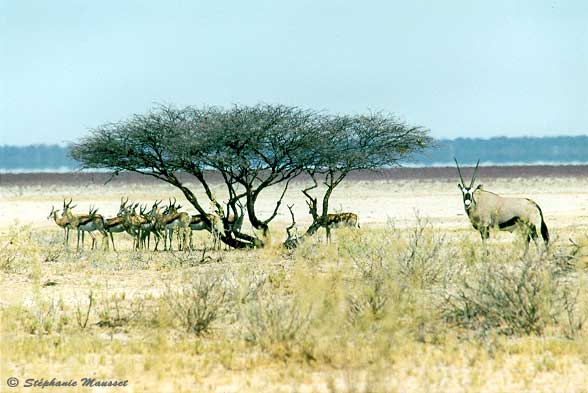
409 302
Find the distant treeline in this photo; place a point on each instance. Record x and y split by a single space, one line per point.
35 157
501 150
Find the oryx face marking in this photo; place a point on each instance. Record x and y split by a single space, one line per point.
468 191
468 196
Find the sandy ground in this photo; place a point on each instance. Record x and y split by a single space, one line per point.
564 201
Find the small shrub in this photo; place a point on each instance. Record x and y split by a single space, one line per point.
424 261
17 249
83 314
45 318
510 299
276 324
118 311
370 299
569 313
201 303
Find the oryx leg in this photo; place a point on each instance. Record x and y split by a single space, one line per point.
535 236
485 234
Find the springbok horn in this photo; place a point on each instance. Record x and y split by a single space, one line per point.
475 174
459 171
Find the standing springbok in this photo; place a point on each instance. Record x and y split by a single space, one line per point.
233 220
132 221
171 220
62 221
114 225
150 226
333 220
488 210
85 223
340 220
197 224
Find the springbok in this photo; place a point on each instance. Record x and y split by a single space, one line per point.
114 225
197 224
62 221
334 220
488 210
234 223
132 221
150 226
171 220
340 220
85 223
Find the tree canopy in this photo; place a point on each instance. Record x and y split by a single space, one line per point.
252 147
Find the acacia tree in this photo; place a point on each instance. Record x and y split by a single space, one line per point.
352 143
252 148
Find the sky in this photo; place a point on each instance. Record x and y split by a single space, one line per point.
459 68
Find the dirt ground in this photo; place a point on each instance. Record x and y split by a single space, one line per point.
378 200
563 196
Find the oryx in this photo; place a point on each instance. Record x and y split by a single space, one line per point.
488 210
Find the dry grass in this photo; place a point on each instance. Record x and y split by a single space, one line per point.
410 307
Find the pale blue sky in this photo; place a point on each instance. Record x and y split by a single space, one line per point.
460 68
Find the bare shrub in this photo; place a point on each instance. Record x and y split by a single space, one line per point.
17 249
83 315
199 304
373 294
246 286
511 299
118 311
276 324
370 301
45 318
573 318
427 259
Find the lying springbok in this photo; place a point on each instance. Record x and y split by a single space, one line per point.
90 222
488 210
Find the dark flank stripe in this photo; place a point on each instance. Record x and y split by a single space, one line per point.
508 223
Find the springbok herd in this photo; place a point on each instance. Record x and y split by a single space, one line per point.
485 210
158 220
